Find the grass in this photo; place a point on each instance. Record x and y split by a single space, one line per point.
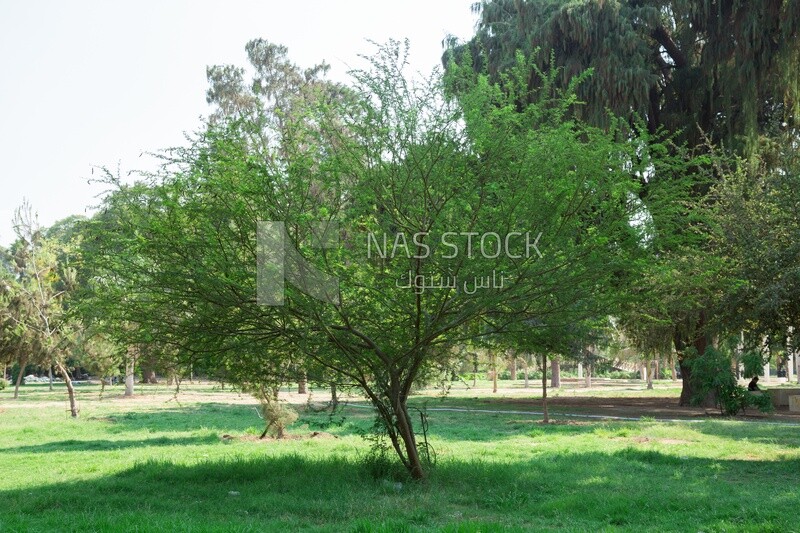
153 464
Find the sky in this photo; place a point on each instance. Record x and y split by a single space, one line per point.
86 84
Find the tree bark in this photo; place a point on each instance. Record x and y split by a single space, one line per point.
334 397
700 343
587 380
129 377
149 375
649 370
73 404
546 417
406 432
23 363
525 371
302 383
513 368
494 372
555 370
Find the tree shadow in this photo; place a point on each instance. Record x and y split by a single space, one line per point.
784 435
74 445
630 489
211 415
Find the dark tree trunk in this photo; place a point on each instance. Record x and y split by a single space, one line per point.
546 417
73 404
334 397
149 375
406 432
525 370
23 363
555 370
699 343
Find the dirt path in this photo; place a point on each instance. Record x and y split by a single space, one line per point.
656 407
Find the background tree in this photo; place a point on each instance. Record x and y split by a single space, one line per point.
710 72
42 288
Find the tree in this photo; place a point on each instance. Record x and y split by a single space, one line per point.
679 66
42 286
455 220
757 212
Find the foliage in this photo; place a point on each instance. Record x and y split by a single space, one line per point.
675 68
3 383
678 64
758 212
177 255
713 374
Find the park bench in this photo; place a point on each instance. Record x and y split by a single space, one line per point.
781 397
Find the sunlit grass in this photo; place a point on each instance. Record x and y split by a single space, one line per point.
157 463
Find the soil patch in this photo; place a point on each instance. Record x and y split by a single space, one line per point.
656 407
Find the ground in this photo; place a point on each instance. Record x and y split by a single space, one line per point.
191 462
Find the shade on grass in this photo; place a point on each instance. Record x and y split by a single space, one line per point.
125 467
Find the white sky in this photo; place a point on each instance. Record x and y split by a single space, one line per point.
92 83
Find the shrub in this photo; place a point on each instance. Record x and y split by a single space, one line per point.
712 374
3 383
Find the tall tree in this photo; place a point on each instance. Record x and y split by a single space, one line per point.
43 284
715 71
454 221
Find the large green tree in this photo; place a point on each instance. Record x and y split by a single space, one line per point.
442 222
718 72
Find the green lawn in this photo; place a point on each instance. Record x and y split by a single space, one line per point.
157 463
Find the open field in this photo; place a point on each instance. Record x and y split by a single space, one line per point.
156 462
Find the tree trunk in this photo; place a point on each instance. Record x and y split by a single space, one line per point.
302 383
649 371
406 432
546 417
149 375
494 372
700 343
587 380
22 365
475 370
73 404
525 371
673 370
334 397
514 368
129 377
50 376
555 370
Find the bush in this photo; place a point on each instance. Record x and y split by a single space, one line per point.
3 383
278 416
712 374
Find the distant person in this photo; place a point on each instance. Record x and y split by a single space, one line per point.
753 386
